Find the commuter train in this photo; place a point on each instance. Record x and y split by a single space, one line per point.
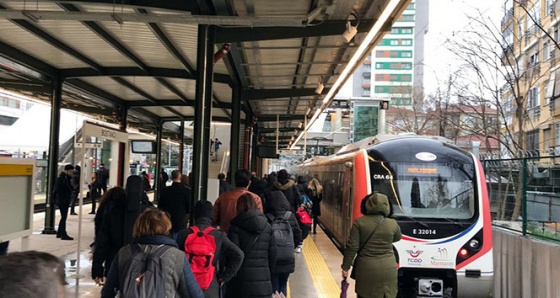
437 194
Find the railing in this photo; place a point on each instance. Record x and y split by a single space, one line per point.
524 193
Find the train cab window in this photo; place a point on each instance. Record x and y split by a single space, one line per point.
426 190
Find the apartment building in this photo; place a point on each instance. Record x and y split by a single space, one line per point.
395 67
530 32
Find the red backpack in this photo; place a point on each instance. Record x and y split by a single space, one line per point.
303 216
200 249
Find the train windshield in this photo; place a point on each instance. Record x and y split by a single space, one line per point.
426 190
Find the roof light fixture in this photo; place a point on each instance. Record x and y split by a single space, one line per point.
320 86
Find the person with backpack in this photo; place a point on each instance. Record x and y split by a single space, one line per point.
151 266
286 232
213 257
251 232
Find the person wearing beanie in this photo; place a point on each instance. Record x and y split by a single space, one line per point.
62 194
227 255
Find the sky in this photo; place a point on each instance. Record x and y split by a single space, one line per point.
446 20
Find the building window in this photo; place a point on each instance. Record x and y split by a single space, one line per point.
533 55
521 29
406 66
394 30
557 139
407 42
533 98
406 31
407 18
394 42
546 50
366 91
379 77
379 65
379 54
547 135
532 140
406 54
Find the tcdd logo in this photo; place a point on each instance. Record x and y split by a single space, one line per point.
414 253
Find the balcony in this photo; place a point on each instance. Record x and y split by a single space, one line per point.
507 16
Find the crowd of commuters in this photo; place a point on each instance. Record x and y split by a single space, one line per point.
249 238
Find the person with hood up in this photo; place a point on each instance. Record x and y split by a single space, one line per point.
109 232
228 254
251 232
278 206
371 243
289 188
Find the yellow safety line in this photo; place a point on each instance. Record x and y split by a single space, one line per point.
323 281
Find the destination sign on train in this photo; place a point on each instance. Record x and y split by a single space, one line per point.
415 170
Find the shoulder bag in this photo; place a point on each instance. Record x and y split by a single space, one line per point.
353 273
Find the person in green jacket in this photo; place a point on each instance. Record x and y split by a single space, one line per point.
375 265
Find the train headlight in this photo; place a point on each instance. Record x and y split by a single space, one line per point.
474 244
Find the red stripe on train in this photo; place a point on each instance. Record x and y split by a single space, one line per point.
360 182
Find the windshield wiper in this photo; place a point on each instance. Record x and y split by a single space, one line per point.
455 222
425 225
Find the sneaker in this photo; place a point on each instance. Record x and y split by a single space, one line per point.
298 249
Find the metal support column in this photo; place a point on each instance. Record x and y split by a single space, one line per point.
254 145
181 146
234 132
203 112
56 102
122 172
159 144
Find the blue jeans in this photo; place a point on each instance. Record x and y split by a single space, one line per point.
280 283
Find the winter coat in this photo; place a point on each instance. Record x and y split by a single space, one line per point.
288 187
225 207
278 205
179 279
224 186
315 190
229 255
252 233
376 268
62 191
109 236
176 200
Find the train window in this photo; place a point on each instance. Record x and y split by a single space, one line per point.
427 190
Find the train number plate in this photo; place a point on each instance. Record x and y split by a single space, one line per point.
424 232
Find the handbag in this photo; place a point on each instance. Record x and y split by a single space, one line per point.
353 273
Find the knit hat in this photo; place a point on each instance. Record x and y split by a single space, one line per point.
203 209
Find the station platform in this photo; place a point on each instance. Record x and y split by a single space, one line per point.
317 271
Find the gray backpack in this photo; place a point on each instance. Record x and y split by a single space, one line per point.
284 236
143 274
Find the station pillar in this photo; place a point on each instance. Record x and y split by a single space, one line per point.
203 112
56 102
181 146
122 172
159 136
234 131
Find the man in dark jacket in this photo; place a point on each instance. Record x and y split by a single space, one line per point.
230 257
278 206
224 186
62 195
288 187
75 181
176 200
102 175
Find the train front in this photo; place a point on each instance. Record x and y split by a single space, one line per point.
438 196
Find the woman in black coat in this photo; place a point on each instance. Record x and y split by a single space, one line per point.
109 232
251 232
278 206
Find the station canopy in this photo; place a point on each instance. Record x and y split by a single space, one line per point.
142 55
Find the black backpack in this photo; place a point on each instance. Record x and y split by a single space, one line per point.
143 274
284 236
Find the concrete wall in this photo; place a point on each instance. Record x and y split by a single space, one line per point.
525 267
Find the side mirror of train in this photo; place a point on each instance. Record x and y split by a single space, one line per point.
348 164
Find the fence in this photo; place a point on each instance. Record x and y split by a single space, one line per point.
524 194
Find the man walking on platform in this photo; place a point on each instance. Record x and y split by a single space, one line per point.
102 176
225 208
62 194
176 200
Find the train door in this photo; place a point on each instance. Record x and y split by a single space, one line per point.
347 203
